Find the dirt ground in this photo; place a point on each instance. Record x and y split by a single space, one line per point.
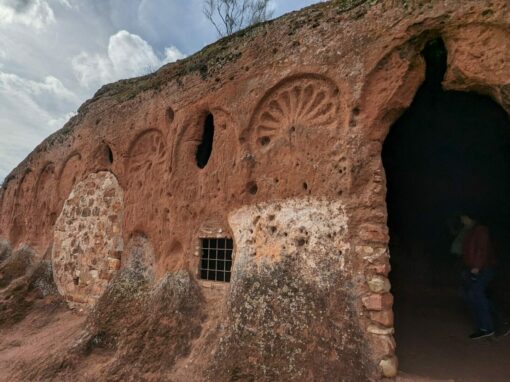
432 329
44 331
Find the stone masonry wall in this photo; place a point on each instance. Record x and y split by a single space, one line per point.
88 244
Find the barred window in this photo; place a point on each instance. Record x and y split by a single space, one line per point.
216 259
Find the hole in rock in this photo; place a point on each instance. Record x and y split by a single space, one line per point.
104 156
448 155
252 188
170 114
264 141
300 242
109 154
204 149
216 259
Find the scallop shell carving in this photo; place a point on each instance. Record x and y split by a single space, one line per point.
308 101
148 149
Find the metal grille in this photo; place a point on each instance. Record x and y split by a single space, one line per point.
216 259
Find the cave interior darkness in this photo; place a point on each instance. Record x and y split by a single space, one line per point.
449 153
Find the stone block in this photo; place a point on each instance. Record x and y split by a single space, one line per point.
378 302
379 284
383 346
364 250
389 367
377 256
113 264
381 269
384 317
374 233
379 330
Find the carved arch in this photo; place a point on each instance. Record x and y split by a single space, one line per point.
305 100
146 151
44 198
189 136
47 172
26 185
69 174
8 199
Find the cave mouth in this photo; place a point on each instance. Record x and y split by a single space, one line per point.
448 154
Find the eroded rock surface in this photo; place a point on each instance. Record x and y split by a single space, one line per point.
26 283
291 296
301 107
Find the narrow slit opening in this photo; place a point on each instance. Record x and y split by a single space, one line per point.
204 149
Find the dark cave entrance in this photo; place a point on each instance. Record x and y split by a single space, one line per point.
448 154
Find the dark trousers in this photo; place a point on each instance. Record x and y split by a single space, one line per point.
475 292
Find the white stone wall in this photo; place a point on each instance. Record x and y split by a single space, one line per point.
312 229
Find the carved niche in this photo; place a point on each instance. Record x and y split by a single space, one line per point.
303 101
295 126
23 197
43 208
146 154
144 173
69 175
7 206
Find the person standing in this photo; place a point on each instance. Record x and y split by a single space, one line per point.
479 261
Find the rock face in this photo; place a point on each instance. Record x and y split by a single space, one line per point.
285 267
271 138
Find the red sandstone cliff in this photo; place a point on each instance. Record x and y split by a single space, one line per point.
301 106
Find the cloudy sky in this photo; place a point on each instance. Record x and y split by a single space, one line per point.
54 54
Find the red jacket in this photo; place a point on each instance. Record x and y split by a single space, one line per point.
477 250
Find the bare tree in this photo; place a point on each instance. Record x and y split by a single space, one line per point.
230 16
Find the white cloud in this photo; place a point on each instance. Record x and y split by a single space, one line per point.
49 94
172 54
33 13
29 111
128 55
65 3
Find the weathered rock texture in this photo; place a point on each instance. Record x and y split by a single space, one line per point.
290 262
25 281
301 107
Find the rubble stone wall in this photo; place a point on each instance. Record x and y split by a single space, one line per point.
88 243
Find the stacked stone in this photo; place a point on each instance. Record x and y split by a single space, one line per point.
88 241
378 301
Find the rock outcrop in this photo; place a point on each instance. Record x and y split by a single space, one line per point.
272 138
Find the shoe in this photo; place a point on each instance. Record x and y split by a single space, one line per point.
481 334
